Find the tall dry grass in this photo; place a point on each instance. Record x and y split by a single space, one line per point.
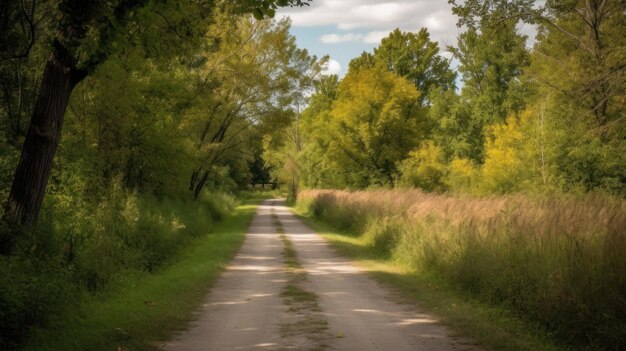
559 261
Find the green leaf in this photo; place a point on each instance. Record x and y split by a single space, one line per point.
257 13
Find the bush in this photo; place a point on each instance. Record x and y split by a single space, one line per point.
82 246
425 168
32 289
462 174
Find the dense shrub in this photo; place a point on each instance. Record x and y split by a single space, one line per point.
425 168
83 247
559 260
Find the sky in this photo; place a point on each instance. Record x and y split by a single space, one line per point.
343 29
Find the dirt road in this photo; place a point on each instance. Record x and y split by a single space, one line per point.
262 302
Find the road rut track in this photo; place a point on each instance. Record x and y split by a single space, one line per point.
253 306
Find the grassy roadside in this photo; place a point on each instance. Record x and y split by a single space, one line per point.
491 327
146 308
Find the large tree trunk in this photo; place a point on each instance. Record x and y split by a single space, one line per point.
31 177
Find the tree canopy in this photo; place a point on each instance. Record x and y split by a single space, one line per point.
129 124
532 114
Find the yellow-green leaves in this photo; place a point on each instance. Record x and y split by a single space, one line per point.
412 56
374 122
267 8
425 168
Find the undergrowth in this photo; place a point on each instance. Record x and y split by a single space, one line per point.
88 249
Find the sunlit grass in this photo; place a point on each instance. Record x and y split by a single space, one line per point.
146 309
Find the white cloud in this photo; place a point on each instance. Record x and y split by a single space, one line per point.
376 16
332 67
340 38
368 21
375 37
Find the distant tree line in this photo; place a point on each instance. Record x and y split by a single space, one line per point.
540 114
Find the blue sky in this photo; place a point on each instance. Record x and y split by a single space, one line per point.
343 29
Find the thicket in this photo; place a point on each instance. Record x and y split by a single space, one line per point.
162 124
558 261
86 249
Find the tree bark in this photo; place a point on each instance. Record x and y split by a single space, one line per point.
43 137
200 185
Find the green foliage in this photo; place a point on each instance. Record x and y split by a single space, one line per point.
453 126
32 289
258 78
425 168
491 63
519 123
281 154
136 129
373 123
262 8
415 57
366 60
412 56
86 248
137 308
572 86
318 171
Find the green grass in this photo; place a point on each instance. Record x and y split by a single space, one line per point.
493 328
143 310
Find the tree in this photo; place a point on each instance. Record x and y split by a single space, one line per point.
87 32
259 76
318 171
507 166
491 62
492 56
85 36
454 127
24 26
365 60
374 123
413 56
579 72
281 151
580 45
